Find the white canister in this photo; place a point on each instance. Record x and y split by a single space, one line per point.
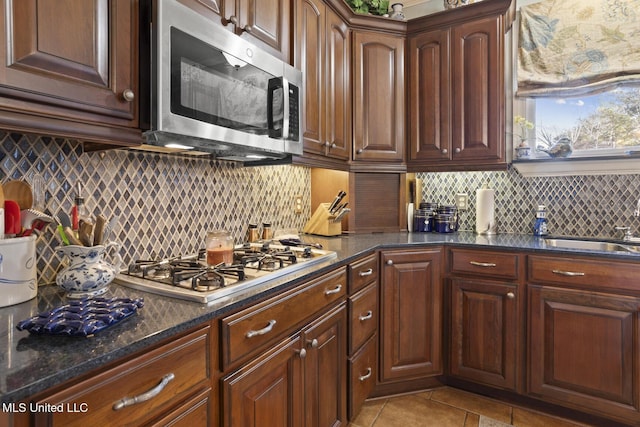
18 266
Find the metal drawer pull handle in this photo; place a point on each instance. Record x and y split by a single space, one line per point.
262 331
568 273
511 295
129 401
365 376
334 290
367 316
368 272
482 264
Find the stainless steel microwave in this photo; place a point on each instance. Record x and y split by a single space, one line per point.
213 92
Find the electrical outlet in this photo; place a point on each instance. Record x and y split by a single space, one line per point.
297 204
462 201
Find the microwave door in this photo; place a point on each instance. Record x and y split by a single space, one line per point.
277 108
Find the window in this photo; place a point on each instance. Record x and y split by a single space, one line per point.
578 77
603 124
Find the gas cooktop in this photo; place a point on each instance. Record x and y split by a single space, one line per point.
191 278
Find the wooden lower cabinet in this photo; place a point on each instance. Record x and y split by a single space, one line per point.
411 314
485 331
325 377
176 378
584 351
301 381
267 392
363 371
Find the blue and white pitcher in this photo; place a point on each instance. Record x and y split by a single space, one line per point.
88 274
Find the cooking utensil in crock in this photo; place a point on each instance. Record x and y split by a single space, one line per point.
20 191
64 218
2 213
28 216
12 223
38 190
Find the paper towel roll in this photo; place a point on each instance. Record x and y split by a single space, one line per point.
485 211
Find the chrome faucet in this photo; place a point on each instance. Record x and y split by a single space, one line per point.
628 235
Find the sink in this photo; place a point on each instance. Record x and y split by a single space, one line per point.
592 245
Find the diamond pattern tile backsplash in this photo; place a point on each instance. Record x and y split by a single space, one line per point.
167 203
586 205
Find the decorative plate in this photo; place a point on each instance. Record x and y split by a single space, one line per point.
82 317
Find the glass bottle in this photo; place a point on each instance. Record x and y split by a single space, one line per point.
219 247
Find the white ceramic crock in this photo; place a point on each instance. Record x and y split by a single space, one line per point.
18 266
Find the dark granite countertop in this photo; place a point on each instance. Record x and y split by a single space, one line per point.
31 363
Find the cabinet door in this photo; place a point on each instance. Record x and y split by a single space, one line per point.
411 314
310 59
71 60
323 54
484 332
378 97
338 87
325 370
429 96
264 21
477 66
584 350
268 391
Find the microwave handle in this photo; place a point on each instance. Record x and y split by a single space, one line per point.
285 119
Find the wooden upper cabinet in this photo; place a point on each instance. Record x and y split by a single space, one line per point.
379 110
477 64
264 22
338 87
457 97
72 64
429 96
323 54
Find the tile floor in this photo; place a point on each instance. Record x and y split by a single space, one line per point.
449 407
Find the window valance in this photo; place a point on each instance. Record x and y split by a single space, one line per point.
574 47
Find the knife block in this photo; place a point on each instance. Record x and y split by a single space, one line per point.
322 222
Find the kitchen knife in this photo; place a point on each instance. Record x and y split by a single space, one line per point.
340 207
342 213
336 201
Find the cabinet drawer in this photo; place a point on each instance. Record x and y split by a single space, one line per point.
363 312
249 330
483 263
185 359
583 271
362 376
363 272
